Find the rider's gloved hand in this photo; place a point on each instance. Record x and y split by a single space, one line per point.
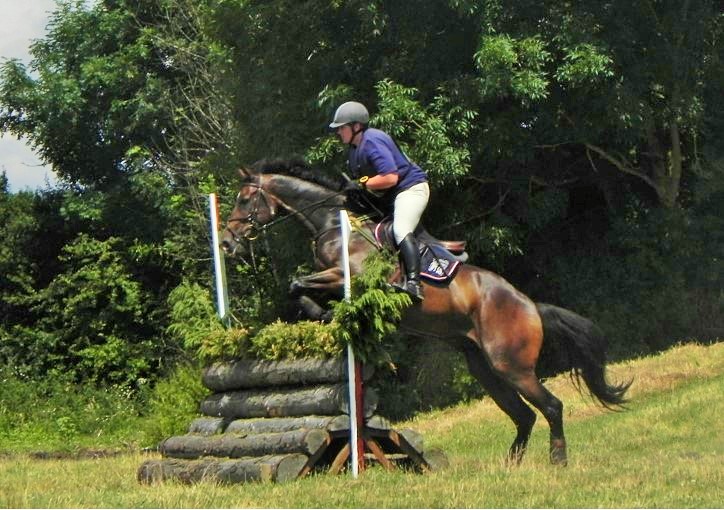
356 185
352 185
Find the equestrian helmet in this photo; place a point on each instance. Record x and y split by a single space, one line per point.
350 112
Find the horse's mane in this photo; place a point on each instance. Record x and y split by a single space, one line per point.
298 168
357 201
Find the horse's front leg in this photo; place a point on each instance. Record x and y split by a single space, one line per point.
313 310
330 280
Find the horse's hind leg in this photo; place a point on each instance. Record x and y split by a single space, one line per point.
525 382
512 348
504 396
531 388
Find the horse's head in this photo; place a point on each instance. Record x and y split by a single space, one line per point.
255 207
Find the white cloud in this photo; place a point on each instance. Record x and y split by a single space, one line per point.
22 21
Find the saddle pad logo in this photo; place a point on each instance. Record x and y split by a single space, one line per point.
438 267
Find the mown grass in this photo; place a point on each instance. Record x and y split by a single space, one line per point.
666 450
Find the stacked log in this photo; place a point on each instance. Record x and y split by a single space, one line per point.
323 399
276 421
241 374
276 468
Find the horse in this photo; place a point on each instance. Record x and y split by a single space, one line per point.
498 328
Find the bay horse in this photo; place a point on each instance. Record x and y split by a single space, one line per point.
499 329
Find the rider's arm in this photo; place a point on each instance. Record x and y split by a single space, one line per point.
380 182
384 165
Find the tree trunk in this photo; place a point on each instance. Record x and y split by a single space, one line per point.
267 425
208 426
666 166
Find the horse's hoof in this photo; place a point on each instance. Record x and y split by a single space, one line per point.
559 457
515 456
327 316
295 289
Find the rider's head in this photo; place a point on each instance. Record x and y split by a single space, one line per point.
350 120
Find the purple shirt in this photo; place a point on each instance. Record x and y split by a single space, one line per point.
378 154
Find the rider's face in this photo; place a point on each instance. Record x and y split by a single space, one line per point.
344 133
349 133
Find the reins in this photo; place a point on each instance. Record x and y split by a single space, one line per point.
257 228
251 218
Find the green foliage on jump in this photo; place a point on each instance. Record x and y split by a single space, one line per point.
369 320
196 325
304 339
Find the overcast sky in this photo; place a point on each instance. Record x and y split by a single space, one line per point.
22 21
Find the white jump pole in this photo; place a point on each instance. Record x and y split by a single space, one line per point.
222 294
353 383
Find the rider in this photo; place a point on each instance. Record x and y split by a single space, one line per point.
380 166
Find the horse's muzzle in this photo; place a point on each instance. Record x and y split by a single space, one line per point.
231 246
227 247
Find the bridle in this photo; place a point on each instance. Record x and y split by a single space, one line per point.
270 201
251 218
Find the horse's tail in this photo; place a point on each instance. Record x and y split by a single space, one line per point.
585 346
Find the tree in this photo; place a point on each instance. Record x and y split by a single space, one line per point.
628 82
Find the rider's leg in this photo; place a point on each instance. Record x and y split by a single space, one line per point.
411 261
409 206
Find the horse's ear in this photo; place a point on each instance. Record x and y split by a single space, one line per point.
244 172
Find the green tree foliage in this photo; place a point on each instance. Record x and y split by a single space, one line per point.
16 226
94 319
624 83
97 89
640 313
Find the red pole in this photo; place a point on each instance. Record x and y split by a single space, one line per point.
359 392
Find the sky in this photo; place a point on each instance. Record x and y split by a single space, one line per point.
22 21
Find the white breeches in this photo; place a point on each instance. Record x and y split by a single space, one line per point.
409 206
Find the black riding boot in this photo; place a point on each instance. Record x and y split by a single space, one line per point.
411 261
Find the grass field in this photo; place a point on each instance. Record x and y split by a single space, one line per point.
666 450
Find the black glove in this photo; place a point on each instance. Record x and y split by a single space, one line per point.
353 185
357 185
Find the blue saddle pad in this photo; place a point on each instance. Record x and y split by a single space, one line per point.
437 264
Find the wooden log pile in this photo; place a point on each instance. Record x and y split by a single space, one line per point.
277 421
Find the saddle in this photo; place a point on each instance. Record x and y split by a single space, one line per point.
439 260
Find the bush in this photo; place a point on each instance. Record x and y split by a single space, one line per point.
94 321
171 405
55 413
